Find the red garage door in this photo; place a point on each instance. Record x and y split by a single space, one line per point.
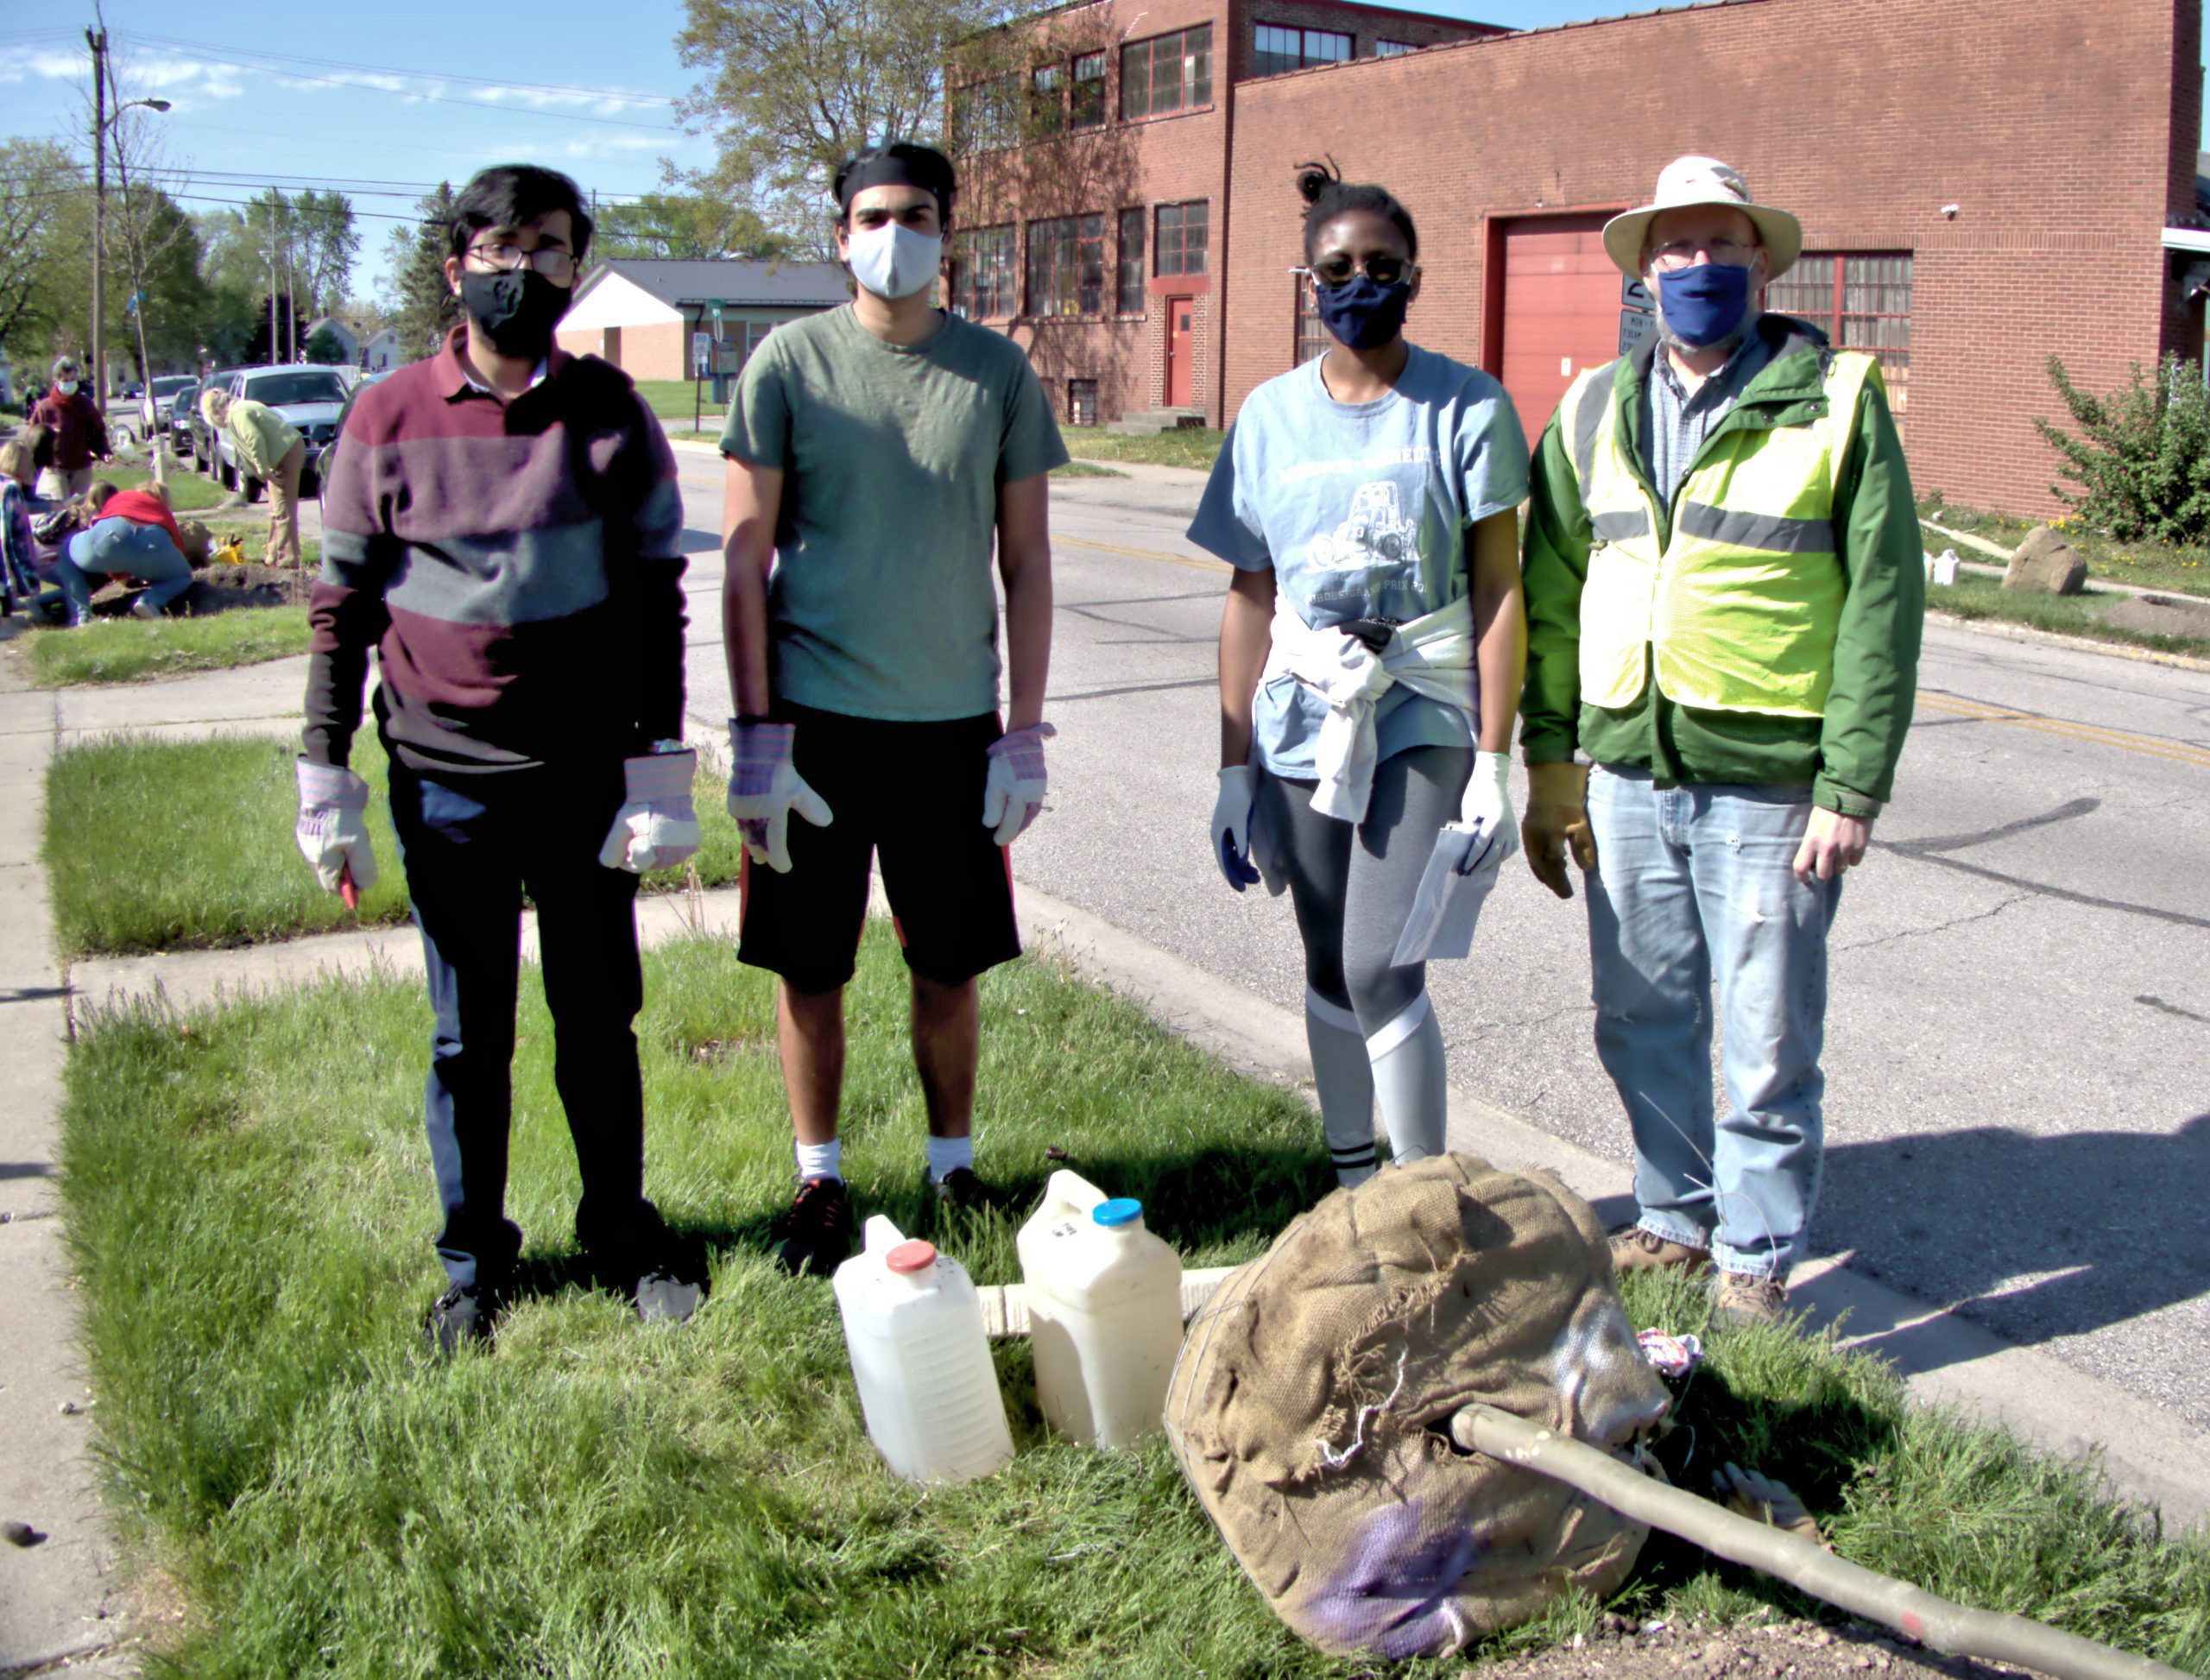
1561 310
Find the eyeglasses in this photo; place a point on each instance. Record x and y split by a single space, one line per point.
1676 254
1380 268
550 260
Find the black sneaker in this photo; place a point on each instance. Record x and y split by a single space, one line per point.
817 1229
960 1191
460 1318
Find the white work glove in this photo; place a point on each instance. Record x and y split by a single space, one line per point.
333 826
656 827
1231 824
1014 793
765 788
1487 810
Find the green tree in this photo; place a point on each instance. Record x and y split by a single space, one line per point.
326 244
324 345
788 90
422 307
687 226
2142 458
43 230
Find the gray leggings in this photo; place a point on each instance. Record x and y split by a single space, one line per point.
1352 884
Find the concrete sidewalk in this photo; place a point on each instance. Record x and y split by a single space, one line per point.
61 1609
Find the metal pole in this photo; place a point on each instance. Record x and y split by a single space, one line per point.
272 274
98 42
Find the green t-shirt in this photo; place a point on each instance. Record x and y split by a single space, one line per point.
881 603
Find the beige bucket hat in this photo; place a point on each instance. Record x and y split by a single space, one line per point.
1702 180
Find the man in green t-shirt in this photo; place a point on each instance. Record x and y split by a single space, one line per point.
875 452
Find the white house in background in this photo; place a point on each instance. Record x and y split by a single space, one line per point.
383 351
640 314
347 337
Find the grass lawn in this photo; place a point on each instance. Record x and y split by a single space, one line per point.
128 650
1084 469
158 846
249 1201
1976 597
673 400
2145 565
189 492
1191 447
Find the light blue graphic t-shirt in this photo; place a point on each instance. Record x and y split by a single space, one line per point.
1362 509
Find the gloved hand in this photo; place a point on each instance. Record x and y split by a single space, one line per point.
1231 824
656 827
765 788
1014 793
1557 815
1487 809
333 827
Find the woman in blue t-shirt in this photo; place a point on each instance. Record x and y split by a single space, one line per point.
1370 656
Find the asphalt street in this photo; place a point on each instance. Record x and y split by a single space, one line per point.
2018 1044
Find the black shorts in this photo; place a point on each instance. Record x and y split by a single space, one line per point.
912 794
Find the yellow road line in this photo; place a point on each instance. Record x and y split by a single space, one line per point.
1193 562
2092 734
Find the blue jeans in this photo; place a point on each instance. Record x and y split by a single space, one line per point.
469 845
121 546
1693 901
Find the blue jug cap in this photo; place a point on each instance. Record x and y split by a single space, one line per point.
1121 1210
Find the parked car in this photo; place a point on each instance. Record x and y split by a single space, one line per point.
203 436
319 462
177 426
310 398
154 407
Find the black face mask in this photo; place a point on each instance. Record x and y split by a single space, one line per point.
515 308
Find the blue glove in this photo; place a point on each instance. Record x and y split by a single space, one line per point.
1231 824
765 788
656 827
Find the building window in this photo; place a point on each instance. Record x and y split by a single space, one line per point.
1066 266
1312 336
986 115
1047 100
1088 91
1394 49
1129 293
1862 301
1182 238
1082 402
1281 48
982 273
1167 73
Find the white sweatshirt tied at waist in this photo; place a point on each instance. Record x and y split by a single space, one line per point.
1433 656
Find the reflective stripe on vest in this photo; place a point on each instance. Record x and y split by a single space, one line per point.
1740 610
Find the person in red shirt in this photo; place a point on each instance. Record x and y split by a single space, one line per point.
79 432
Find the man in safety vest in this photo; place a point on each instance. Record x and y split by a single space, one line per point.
1724 594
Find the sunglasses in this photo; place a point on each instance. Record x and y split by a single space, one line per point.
1381 269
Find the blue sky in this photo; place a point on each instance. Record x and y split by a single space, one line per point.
412 92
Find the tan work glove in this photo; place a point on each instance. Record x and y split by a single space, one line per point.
1557 815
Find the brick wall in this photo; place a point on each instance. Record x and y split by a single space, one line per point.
2057 127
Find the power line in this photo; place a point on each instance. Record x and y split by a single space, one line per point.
427 75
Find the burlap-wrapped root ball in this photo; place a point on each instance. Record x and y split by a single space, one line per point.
1311 1404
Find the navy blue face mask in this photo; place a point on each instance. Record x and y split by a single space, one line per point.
1703 304
1362 312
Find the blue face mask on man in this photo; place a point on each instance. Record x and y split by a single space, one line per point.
1363 312
1703 304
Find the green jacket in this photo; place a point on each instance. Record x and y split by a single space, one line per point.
263 437
1848 755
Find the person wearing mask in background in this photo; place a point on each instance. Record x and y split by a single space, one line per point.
1724 595
1370 656
875 452
503 527
270 448
79 432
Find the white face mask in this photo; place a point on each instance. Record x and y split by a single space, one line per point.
67 387
894 261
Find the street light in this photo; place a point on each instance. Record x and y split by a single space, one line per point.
102 121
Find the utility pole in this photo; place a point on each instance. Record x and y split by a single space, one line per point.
272 274
98 41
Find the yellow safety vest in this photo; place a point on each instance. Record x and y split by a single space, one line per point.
1739 610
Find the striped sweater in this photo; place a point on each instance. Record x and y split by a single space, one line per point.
517 566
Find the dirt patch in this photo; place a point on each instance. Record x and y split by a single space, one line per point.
216 588
2159 614
1779 1650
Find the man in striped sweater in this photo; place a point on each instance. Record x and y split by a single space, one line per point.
503 526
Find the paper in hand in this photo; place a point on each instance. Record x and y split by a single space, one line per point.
1447 903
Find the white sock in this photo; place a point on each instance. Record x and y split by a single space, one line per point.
948 1155
821 1160
1411 1083
1344 1078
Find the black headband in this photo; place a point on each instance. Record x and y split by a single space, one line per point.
895 165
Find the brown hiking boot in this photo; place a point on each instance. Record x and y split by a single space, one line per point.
1743 1298
1634 1249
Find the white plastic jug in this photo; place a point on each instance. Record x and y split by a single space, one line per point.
914 1327
1104 1312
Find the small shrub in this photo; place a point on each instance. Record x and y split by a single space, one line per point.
2142 458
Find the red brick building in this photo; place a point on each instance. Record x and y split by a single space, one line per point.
1982 183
